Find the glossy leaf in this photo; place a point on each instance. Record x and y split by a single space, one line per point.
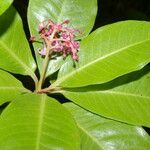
109 52
4 5
54 65
98 133
125 99
37 122
15 54
81 14
10 87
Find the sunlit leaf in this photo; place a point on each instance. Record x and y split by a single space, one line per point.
109 52
125 99
15 54
4 4
81 14
98 133
37 122
9 87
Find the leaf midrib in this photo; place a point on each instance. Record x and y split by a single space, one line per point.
40 121
109 92
28 70
124 94
60 80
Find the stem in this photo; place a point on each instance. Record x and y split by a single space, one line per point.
44 69
45 62
50 89
35 79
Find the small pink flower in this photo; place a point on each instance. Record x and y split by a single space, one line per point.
41 26
75 57
59 38
58 47
67 36
75 44
43 51
65 21
49 32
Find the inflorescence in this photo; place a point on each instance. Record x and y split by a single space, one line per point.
57 39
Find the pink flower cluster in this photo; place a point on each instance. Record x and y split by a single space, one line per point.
57 38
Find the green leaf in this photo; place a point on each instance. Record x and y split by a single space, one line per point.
10 87
125 99
15 54
37 122
98 133
54 65
81 14
109 52
4 5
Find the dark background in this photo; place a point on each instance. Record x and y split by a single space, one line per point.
116 10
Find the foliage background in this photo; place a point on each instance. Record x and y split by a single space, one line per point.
109 11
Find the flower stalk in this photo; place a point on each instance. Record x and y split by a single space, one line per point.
56 39
44 69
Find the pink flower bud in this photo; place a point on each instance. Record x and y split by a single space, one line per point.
58 38
43 51
49 32
57 46
66 21
32 38
41 26
75 45
75 57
